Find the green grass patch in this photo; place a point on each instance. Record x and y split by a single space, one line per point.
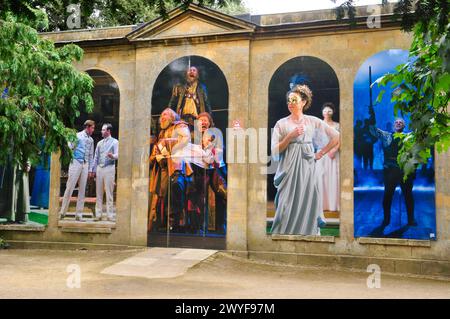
38 218
329 231
324 231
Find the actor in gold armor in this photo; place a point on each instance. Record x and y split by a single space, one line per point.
190 99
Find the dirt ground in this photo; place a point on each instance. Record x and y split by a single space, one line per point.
43 274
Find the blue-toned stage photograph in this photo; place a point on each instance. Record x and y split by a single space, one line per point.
386 204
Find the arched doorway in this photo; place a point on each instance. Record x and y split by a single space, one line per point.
199 206
320 77
384 204
106 97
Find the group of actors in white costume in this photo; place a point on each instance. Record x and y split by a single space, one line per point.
87 163
307 177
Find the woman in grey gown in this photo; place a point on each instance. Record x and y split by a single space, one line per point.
298 201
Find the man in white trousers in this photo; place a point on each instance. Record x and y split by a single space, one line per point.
79 168
104 169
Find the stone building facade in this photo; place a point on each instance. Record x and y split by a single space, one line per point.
248 54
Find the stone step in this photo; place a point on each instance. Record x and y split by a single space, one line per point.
332 221
329 214
85 214
159 263
88 223
89 204
88 230
29 226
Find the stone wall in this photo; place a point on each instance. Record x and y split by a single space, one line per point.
248 65
119 62
345 53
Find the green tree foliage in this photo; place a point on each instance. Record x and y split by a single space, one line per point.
33 12
422 85
123 12
42 93
230 7
41 89
3 244
107 13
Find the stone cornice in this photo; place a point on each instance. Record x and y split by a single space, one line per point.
219 27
